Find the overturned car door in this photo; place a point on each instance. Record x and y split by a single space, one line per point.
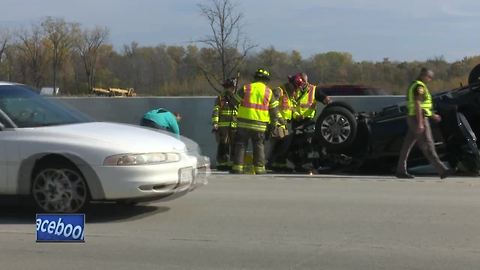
460 142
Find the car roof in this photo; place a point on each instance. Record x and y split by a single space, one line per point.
351 89
7 83
349 86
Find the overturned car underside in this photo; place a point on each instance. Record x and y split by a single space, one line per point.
344 140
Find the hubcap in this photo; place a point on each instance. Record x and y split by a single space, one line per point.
59 190
335 129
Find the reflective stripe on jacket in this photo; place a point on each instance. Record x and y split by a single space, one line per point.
254 108
224 113
285 104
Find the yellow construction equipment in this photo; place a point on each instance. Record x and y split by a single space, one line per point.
114 92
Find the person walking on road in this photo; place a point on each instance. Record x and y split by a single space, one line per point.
420 111
256 109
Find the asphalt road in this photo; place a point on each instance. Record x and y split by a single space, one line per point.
270 222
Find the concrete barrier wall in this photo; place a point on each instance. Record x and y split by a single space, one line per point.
196 111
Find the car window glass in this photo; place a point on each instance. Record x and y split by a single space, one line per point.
4 122
28 109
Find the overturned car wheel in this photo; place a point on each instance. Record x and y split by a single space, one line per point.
336 128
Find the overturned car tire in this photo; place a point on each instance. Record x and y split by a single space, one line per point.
336 128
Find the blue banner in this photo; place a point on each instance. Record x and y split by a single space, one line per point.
60 227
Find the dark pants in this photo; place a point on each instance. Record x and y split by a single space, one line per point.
305 122
281 147
226 144
278 154
242 138
425 143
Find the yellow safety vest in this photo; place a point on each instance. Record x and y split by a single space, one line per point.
255 106
306 103
286 105
426 105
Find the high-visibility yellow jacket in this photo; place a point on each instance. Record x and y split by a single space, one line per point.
224 112
256 106
426 104
285 105
305 103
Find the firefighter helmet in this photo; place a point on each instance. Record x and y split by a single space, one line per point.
262 74
299 80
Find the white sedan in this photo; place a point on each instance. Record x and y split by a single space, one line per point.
63 159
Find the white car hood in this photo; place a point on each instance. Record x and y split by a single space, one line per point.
128 137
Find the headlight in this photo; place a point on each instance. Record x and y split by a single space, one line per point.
141 159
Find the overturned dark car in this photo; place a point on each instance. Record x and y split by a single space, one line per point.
371 142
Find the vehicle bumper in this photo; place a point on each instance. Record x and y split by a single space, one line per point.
153 182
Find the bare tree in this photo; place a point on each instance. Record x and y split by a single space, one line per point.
226 39
88 47
60 35
32 48
134 63
5 37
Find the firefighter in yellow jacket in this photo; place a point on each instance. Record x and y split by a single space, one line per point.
280 137
305 97
224 124
257 107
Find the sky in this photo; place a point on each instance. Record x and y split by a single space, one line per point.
402 30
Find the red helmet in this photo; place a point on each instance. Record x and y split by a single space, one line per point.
299 81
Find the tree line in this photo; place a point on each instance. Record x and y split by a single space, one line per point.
64 54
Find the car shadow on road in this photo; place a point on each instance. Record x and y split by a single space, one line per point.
95 213
112 212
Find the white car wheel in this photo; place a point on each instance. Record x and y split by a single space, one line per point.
59 190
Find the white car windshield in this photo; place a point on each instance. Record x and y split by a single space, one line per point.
25 108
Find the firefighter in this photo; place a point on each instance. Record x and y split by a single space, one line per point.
420 110
224 125
256 109
281 139
305 97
